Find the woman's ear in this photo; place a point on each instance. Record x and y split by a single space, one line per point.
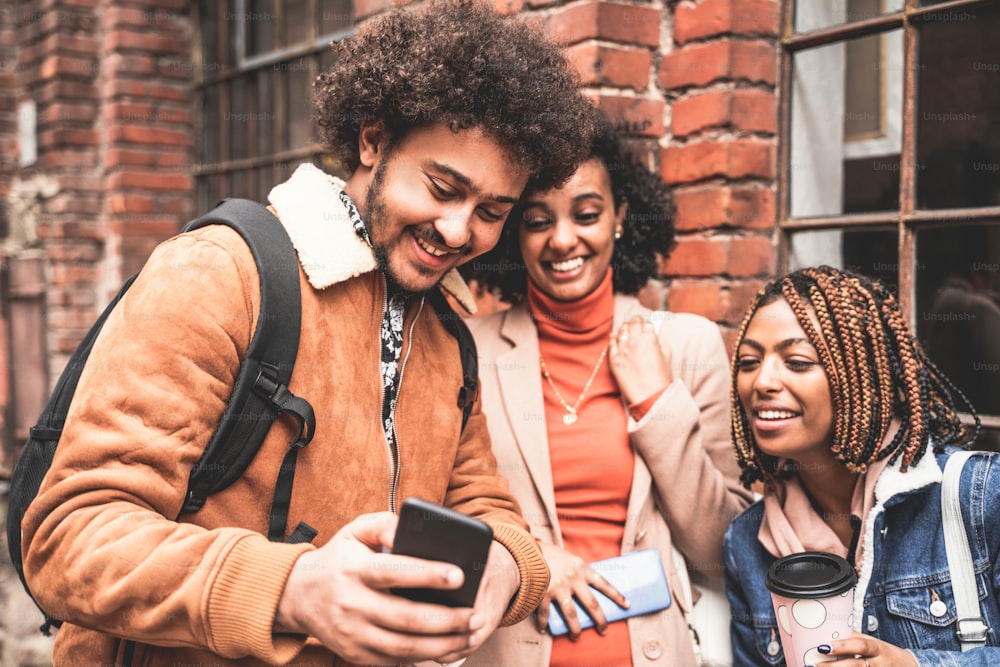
620 217
371 144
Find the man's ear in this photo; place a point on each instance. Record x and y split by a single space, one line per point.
371 144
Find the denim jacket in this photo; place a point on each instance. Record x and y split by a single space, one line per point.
903 561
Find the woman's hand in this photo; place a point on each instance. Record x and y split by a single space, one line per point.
864 651
571 578
639 364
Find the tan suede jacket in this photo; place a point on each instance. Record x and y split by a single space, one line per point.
100 547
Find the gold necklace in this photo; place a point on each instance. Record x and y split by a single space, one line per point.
570 417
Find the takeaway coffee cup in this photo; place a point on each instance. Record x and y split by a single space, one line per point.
813 596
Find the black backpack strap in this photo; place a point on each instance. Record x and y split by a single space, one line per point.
261 390
36 457
453 322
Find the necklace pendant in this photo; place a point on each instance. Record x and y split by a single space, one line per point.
569 418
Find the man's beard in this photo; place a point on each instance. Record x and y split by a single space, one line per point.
377 216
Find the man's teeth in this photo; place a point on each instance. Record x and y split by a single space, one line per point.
568 265
430 249
775 414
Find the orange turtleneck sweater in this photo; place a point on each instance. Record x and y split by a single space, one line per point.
592 460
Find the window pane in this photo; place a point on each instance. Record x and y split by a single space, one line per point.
261 21
873 252
812 15
266 132
240 118
298 27
958 122
847 126
210 125
300 76
958 307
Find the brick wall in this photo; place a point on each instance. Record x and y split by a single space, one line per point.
694 82
111 81
106 89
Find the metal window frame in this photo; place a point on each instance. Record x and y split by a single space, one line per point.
246 65
906 219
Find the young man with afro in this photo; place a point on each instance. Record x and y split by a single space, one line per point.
440 115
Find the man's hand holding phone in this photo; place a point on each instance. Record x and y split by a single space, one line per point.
342 594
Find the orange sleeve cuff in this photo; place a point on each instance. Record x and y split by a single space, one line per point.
639 410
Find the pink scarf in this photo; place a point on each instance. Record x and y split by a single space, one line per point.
792 525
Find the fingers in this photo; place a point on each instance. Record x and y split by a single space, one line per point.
397 571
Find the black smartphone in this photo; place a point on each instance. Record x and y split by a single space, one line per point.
434 532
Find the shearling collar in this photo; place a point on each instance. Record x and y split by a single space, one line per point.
892 485
322 234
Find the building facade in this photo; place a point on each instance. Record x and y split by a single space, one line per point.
859 133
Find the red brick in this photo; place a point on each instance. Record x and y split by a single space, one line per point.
131 157
67 112
128 40
750 110
117 88
750 256
697 257
698 112
753 208
640 116
611 21
77 91
130 64
755 61
150 180
130 203
150 134
740 158
158 227
601 65
67 137
741 293
366 8
56 66
709 18
705 298
755 111
725 60
69 159
156 18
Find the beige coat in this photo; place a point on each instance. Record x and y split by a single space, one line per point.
685 488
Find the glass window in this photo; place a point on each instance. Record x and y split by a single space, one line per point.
891 132
260 58
846 126
812 15
958 127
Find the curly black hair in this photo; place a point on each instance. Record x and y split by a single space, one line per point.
648 227
459 63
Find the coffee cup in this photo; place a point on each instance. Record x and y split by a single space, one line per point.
813 596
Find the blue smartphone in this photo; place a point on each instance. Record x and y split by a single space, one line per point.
638 575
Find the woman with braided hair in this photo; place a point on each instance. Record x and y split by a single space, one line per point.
847 423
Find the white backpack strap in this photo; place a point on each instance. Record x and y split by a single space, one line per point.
971 628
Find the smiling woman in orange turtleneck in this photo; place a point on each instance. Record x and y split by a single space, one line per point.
612 430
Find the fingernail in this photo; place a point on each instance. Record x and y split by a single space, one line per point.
824 648
454 577
476 621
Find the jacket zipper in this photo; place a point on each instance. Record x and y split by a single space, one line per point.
399 388
393 449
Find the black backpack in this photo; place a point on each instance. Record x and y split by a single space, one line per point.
259 395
